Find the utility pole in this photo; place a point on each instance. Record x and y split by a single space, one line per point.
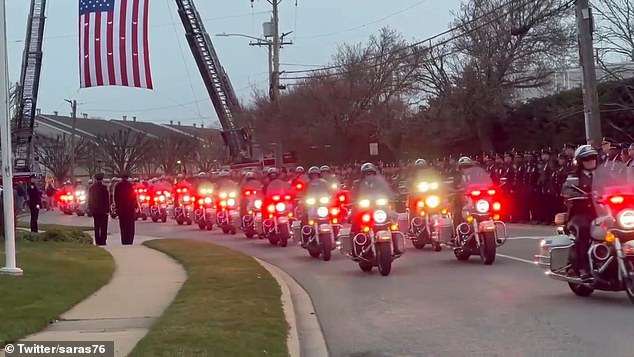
73 105
276 50
592 113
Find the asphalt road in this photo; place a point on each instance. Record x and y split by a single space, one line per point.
433 305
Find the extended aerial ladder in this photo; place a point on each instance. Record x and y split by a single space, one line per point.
217 83
26 91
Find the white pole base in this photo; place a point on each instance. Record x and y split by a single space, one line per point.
11 271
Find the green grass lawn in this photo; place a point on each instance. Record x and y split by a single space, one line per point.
229 306
56 277
50 226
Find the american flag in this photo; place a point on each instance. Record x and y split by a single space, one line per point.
113 43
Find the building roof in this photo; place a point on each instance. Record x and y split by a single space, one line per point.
153 130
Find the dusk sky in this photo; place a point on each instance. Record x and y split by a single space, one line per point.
179 94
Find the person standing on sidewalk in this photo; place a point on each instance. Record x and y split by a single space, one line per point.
35 202
126 202
99 206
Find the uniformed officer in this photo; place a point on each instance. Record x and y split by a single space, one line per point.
506 175
35 202
548 204
558 178
99 206
126 203
532 193
519 206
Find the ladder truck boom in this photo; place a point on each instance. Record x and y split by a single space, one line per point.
216 81
23 119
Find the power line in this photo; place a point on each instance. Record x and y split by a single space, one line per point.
315 73
329 34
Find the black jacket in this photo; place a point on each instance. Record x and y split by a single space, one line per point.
34 195
98 199
125 198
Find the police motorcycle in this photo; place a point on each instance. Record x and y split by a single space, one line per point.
278 212
429 216
205 211
227 205
159 204
611 247
374 239
316 230
143 202
184 206
67 201
482 232
251 208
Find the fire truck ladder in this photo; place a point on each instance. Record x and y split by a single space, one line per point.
216 81
27 90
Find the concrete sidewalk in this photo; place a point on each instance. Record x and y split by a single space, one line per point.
144 284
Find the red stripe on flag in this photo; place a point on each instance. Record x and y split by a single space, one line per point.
122 41
135 43
87 51
110 44
146 46
97 46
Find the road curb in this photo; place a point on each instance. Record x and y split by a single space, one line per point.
300 315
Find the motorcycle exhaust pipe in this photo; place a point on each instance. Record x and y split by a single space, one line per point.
417 222
601 252
361 239
307 230
464 228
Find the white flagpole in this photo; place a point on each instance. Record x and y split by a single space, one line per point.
5 145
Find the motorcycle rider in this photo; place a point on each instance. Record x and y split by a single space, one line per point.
460 182
581 212
252 183
314 173
421 172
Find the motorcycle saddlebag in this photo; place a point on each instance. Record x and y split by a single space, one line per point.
554 251
258 223
403 224
296 228
345 241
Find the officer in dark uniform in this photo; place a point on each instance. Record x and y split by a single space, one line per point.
99 206
126 203
559 176
546 206
519 206
532 192
569 151
35 202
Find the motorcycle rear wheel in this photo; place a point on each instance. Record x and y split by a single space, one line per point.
326 245
581 290
461 254
366 266
314 250
273 239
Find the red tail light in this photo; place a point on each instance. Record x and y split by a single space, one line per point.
366 218
299 186
491 192
247 193
276 198
475 193
271 208
420 204
334 211
342 198
287 197
497 206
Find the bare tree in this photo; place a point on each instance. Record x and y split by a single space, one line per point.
55 154
207 153
169 150
123 151
504 48
616 26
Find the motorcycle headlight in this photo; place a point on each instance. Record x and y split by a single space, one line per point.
626 219
280 207
364 203
207 200
334 186
162 198
433 185
482 206
142 197
186 198
232 194
381 202
380 216
310 201
223 195
231 202
257 204
433 201
322 212
423 187
324 200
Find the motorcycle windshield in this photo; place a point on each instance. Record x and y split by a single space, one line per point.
318 192
374 190
477 178
613 179
227 186
278 187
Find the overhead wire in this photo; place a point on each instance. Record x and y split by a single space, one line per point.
319 72
329 34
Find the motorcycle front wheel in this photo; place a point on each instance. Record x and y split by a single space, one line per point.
384 259
273 239
314 250
488 248
581 290
629 288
